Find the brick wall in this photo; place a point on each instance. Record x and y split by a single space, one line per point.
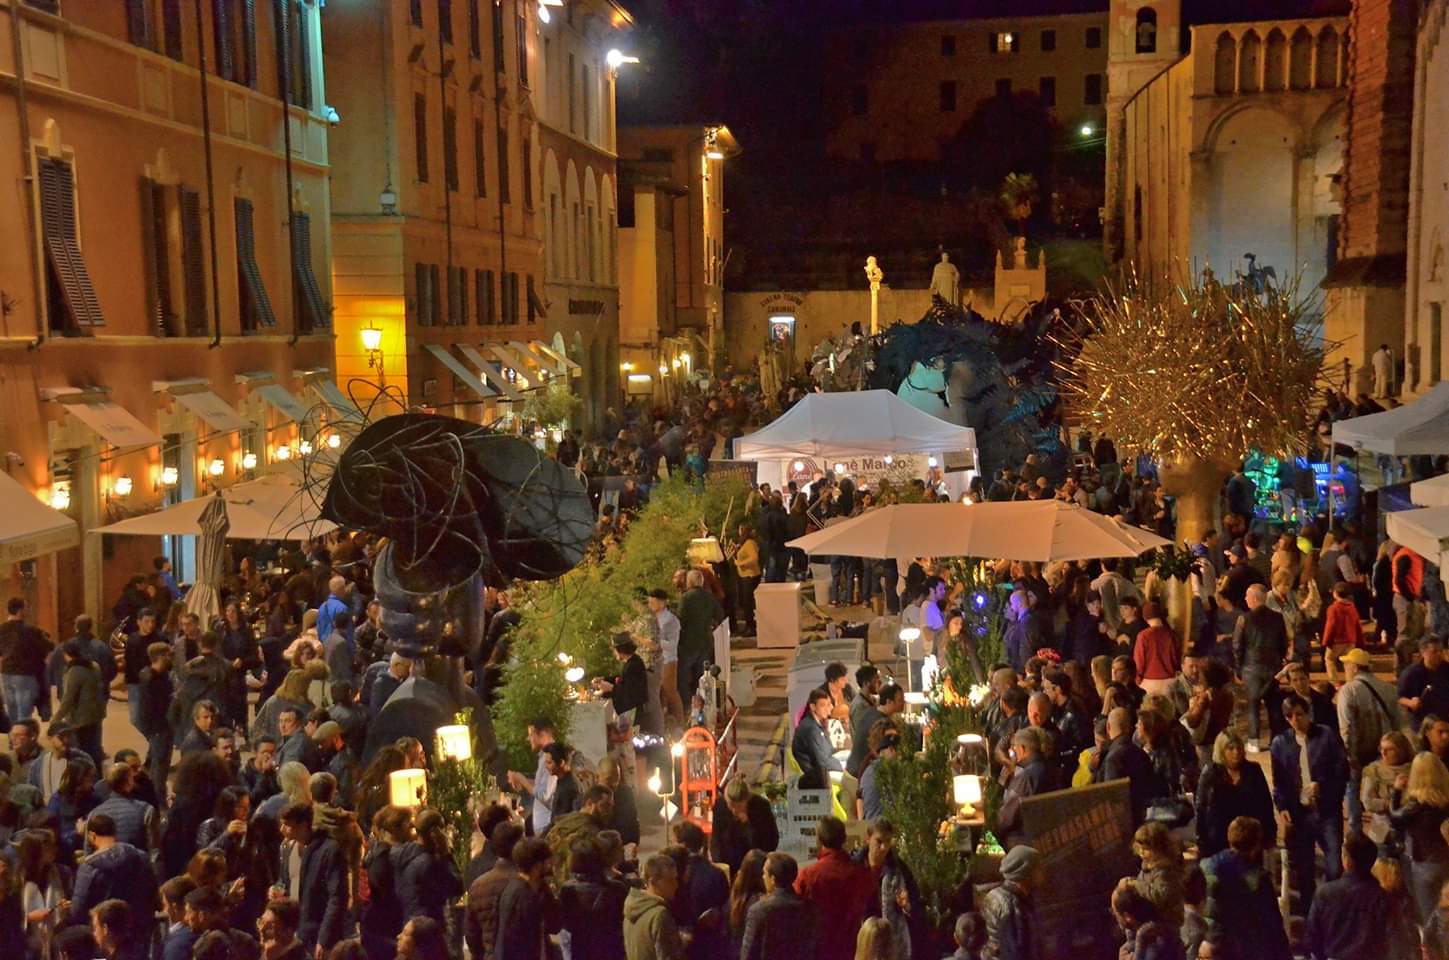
1376 155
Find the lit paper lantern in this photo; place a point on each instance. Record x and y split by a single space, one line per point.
966 791
406 788
705 550
455 742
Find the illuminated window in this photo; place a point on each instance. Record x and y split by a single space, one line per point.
1005 42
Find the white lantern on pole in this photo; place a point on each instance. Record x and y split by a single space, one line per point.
455 742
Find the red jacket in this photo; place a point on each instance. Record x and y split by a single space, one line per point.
840 890
1342 625
1157 654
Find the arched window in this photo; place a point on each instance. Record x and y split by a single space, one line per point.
1147 30
1300 60
1250 58
1275 60
1326 75
1225 64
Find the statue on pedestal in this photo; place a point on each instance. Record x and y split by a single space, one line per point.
946 281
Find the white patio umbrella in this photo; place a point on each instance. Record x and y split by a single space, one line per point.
272 508
1038 530
204 597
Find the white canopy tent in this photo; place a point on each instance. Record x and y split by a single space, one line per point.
1421 427
1426 532
29 528
271 508
858 425
1433 492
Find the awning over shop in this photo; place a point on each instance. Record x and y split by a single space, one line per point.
333 396
111 422
283 400
1420 427
29 528
566 367
458 370
490 371
544 365
213 410
510 357
271 508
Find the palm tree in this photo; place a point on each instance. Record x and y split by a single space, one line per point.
1018 193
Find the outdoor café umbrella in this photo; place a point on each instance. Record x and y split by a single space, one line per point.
203 599
1037 530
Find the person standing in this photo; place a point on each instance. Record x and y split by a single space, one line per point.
23 651
1260 645
115 871
1420 821
321 882
83 700
1243 922
669 683
1367 711
839 888
1310 774
1008 910
527 911
152 702
1424 686
540 789
748 573
650 931
1383 366
699 614
781 923
1156 654
1346 921
810 745
743 821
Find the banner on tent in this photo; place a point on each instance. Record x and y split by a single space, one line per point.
749 470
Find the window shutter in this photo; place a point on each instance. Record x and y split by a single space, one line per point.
256 306
499 66
480 161
527 173
503 191
57 205
303 57
311 308
462 320
420 135
171 28
454 313
422 306
445 20
249 43
435 284
513 298
137 27
475 41
221 32
156 252
193 262
450 148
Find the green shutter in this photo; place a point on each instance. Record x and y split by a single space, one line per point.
193 262
256 306
57 206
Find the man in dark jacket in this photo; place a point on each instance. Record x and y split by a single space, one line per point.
781 923
1241 910
153 691
480 912
132 820
295 744
278 930
1260 644
323 884
1346 921
116 871
699 614
811 745
23 652
1123 758
1312 805
1008 910
591 905
743 821
707 891
527 910
111 926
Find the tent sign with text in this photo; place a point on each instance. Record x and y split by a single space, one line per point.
1084 834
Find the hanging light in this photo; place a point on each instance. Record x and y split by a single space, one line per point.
306 447
122 486
455 742
406 788
249 461
216 467
169 476
60 495
334 441
284 452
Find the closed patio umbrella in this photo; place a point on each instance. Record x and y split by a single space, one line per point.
1036 530
204 598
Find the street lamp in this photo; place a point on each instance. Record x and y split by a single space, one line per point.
122 486
616 58
249 461
1087 130
372 343
284 452
216 467
169 476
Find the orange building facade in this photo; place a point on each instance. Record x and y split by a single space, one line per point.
165 299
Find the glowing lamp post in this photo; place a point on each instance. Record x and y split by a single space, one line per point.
406 788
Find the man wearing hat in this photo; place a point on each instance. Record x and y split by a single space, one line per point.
1368 708
1008 910
337 759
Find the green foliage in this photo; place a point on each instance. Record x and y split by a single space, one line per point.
983 606
916 790
457 789
579 613
553 405
1173 563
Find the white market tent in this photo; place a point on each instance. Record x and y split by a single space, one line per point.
1433 492
271 508
1426 531
858 423
1421 427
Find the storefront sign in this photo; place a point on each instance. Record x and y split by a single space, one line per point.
748 470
